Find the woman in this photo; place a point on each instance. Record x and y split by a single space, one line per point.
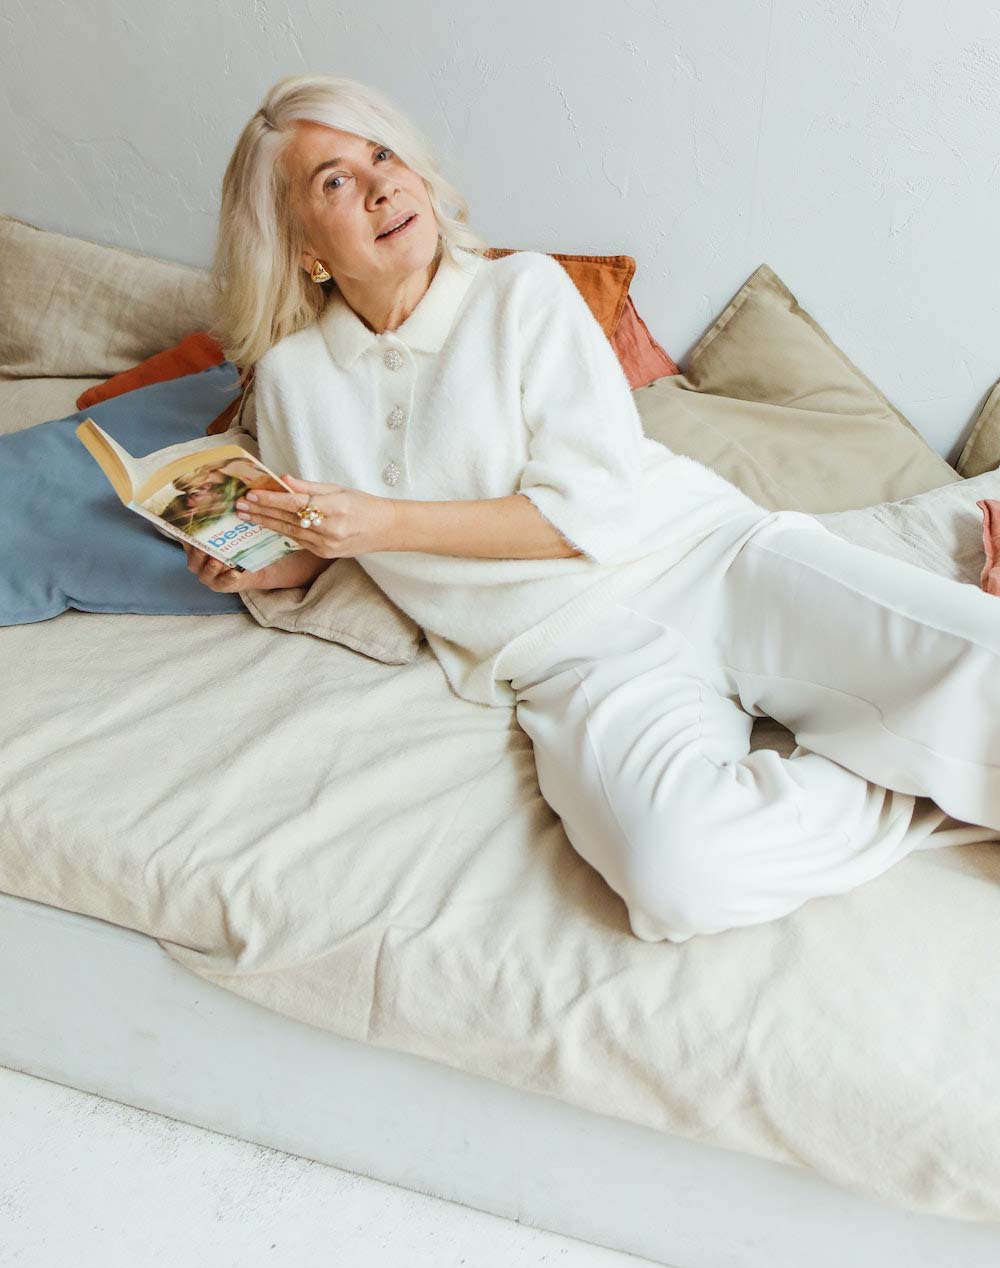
462 426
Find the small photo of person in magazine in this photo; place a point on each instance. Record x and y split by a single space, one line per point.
207 493
205 505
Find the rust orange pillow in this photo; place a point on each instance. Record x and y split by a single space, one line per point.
642 358
194 353
603 281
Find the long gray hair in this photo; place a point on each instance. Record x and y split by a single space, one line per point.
262 292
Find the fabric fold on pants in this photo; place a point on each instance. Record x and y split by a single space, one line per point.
887 675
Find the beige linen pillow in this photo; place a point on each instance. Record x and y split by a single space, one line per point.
83 309
769 401
982 450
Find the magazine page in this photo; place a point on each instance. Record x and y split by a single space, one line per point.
189 490
174 534
134 477
196 497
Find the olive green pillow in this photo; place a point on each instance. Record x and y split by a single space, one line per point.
769 401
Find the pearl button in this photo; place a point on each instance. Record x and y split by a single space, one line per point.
391 473
393 359
395 418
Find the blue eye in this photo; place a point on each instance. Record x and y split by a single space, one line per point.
330 185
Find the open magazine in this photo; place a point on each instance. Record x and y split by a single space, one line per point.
189 492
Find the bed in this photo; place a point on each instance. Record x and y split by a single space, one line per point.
260 882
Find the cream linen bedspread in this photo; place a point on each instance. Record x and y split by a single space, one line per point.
351 844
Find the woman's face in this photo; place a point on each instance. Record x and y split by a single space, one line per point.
345 191
206 491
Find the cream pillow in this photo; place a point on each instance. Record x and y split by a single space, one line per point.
940 530
769 401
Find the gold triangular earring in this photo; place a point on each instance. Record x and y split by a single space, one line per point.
318 273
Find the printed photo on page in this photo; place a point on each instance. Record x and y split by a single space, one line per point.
200 502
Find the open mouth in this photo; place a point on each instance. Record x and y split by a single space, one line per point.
401 229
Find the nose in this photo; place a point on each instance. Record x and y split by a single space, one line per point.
384 187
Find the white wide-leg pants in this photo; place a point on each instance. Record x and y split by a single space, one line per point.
888 676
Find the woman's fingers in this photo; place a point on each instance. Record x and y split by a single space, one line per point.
275 517
196 559
267 519
277 506
210 571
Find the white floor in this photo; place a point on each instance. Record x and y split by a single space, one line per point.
93 1184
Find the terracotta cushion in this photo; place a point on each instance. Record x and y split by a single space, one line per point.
642 358
604 281
194 353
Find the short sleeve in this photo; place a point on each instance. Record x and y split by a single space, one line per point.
585 434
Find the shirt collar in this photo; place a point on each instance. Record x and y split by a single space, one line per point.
347 336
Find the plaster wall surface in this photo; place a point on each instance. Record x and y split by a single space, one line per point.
851 144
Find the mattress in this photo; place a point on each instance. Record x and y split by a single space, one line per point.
118 1017
351 846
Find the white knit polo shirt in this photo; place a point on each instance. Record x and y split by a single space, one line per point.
500 381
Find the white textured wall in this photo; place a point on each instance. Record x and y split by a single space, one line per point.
854 145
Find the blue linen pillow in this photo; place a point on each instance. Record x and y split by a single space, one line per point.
68 542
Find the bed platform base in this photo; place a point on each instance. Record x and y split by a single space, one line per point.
104 1009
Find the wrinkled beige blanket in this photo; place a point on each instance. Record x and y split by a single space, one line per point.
349 843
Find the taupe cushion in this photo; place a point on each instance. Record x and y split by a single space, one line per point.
343 605
84 309
982 449
769 401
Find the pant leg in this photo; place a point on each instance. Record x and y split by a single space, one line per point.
888 669
648 763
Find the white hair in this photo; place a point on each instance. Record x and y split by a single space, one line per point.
262 292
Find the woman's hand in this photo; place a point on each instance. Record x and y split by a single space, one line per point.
299 568
353 522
